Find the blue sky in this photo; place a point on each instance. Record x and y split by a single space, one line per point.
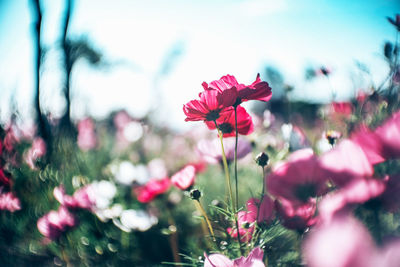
210 38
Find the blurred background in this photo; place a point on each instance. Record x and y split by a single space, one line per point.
153 55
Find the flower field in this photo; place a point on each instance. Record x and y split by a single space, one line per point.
256 181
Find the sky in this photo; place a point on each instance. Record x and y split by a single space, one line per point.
159 52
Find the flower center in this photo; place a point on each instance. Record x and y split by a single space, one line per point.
225 128
305 191
212 115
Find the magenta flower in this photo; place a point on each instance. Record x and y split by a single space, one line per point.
346 162
296 216
226 124
344 242
54 223
82 198
8 201
184 178
298 179
258 90
246 220
87 139
370 143
254 259
152 189
342 108
4 179
211 105
264 212
356 192
389 134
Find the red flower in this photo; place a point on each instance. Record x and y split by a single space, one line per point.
227 123
258 90
4 179
211 106
342 108
152 189
184 178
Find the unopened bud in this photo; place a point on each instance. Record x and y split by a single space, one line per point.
262 159
195 194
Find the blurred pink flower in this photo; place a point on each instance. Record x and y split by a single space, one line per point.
389 134
87 139
246 220
37 150
184 178
265 212
227 123
346 162
254 259
210 151
356 192
54 223
82 198
151 189
298 179
258 90
296 216
8 201
344 242
370 143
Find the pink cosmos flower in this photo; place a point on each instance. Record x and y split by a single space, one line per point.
8 201
87 139
227 123
254 259
356 192
344 242
211 105
246 220
346 162
298 179
82 198
211 152
389 134
184 178
265 211
370 143
37 151
54 223
296 216
151 189
258 90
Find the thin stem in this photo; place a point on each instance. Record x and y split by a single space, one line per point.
225 163
236 182
203 212
173 237
262 192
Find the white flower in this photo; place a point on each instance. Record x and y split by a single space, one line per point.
157 168
135 220
126 173
133 131
103 192
109 213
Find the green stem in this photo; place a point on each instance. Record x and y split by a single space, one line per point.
236 182
203 212
225 163
262 193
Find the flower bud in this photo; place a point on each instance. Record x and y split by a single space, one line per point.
195 194
262 159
